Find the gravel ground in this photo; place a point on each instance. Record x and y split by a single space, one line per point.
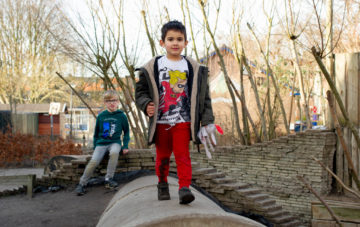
62 208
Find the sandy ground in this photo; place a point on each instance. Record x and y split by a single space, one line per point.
62 208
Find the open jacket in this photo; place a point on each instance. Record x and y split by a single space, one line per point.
147 90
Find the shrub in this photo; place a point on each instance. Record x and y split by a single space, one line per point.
18 149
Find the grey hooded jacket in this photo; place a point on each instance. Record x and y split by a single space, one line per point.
147 90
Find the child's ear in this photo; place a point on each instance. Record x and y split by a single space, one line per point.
162 43
186 43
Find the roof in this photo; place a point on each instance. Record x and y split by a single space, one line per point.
31 108
227 49
222 48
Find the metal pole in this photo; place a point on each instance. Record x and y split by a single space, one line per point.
71 113
51 125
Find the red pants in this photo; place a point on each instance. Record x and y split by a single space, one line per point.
173 139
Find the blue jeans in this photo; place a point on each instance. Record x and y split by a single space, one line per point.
98 155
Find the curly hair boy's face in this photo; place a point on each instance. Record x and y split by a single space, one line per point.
174 44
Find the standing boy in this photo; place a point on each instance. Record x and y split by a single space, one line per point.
173 91
110 124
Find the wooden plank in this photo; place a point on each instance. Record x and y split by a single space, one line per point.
32 122
46 119
352 86
358 94
30 185
358 118
347 176
45 129
323 223
358 154
326 223
355 157
349 224
348 84
340 81
340 69
339 166
28 180
345 211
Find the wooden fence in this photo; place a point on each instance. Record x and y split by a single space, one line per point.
25 123
347 79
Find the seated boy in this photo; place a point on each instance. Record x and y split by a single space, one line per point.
110 124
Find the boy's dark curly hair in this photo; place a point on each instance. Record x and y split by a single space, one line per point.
172 25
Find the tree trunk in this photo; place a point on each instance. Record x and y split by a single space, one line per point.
192 32
246 114
273 80
271 129
330 64
151 40
254 87
301 84
292 98
223 68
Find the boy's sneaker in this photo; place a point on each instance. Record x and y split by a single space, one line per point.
163 191
80 190
185 196
110 183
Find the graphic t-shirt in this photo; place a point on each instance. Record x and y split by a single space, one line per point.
174 106
109 128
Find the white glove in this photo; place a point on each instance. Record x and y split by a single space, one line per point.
206 135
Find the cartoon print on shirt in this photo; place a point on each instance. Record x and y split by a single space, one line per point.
112 129
108 129
173 96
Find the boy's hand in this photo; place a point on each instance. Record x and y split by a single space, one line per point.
125 151
150 109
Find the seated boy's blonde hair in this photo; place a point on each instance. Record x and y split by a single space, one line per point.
110 94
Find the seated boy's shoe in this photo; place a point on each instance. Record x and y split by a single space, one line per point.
163 191
80 190
110 183
185 196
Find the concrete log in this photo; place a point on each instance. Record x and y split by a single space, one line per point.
136 204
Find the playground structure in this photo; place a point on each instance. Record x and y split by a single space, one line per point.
136 204
256 179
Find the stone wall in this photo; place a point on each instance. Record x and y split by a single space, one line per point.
273 167
260 178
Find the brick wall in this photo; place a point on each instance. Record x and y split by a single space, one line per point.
273 167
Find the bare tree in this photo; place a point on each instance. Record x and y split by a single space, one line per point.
271 74
253 86
148 34
223 67
28 56
103 52
245 112
191 30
